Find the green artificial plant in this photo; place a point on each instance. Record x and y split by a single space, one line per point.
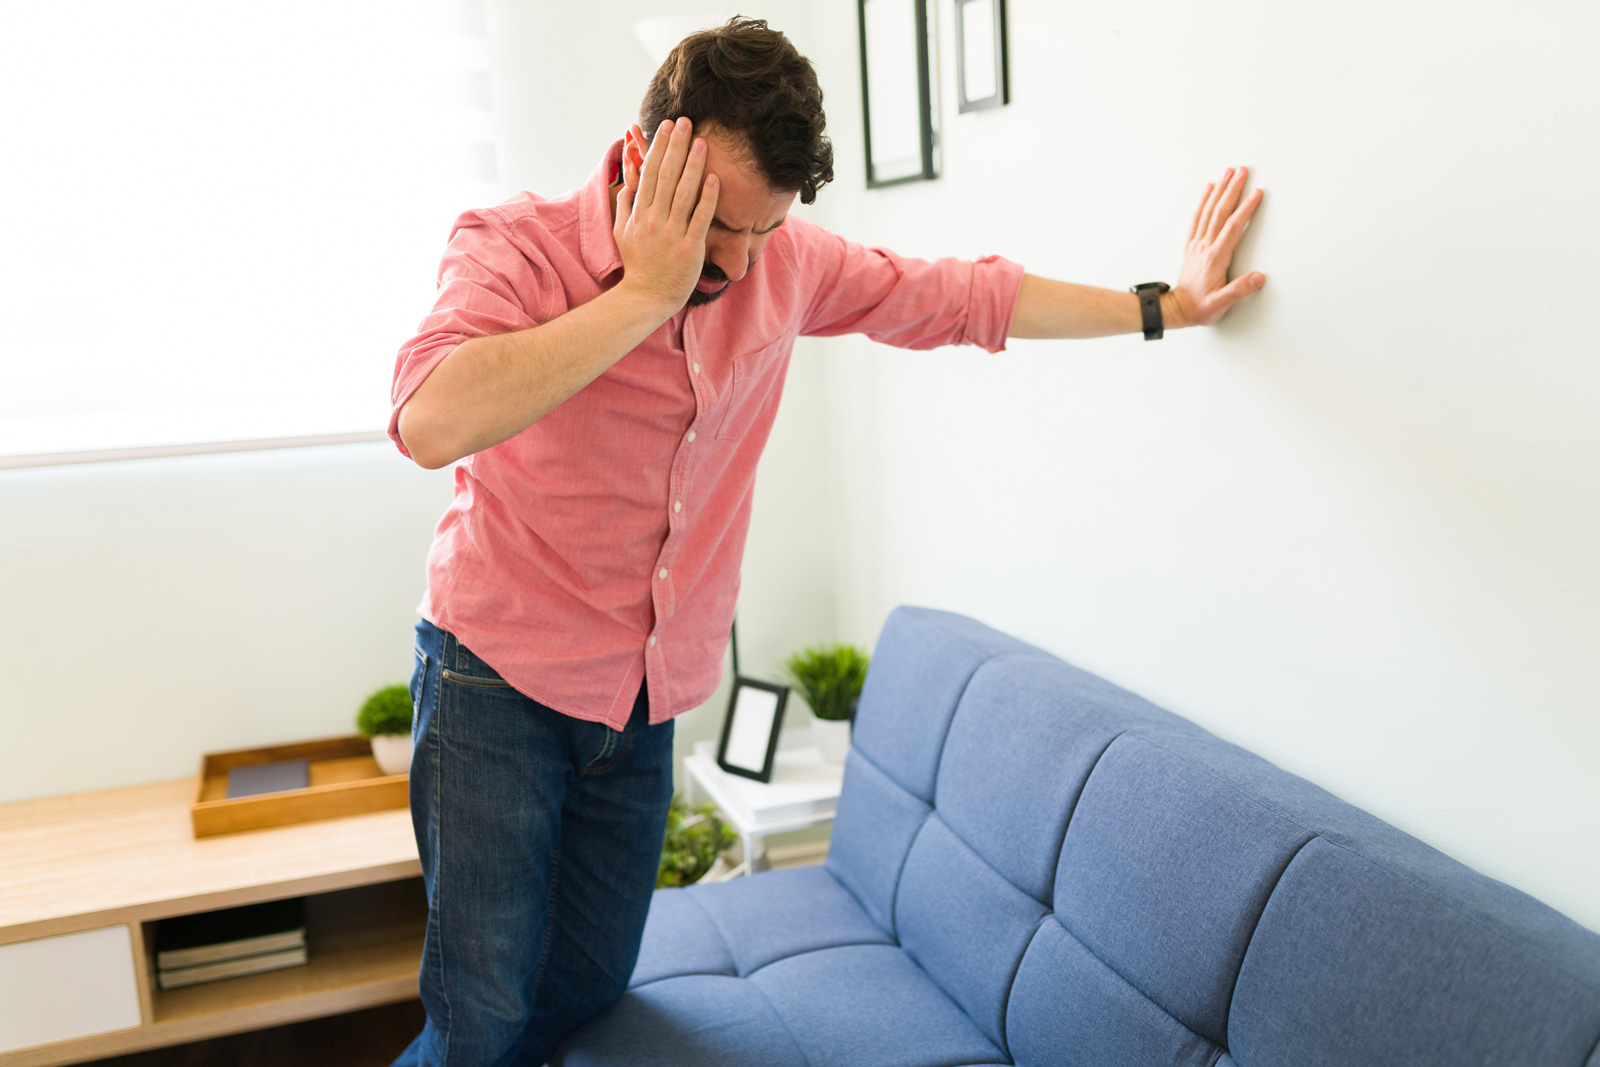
388 711
692 842
829 677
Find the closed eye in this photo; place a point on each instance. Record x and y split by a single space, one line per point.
719 224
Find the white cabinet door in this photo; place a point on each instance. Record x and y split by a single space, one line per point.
58 988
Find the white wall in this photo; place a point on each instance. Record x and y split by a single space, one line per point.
1356 528
155 610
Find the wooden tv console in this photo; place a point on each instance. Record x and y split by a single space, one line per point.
85 878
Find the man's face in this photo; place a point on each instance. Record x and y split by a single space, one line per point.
748 212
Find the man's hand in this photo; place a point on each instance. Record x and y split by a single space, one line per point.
663 213
1203 293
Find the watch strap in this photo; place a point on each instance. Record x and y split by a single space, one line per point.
1149 294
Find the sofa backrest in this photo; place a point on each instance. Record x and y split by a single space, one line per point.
1097 881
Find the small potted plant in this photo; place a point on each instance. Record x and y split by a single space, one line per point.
694 842
385 719
829 677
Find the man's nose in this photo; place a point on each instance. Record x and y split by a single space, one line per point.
733 257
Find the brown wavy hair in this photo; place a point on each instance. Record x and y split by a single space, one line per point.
748 80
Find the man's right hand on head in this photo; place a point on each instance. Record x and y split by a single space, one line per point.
663 212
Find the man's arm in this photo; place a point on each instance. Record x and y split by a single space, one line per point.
1201 295
491 388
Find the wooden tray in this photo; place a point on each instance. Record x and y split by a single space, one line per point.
345 780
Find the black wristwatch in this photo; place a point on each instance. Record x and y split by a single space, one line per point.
1150 307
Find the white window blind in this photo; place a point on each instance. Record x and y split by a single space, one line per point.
219 221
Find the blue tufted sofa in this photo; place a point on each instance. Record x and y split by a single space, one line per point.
1031 866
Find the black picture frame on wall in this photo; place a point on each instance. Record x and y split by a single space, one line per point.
981 76
897 113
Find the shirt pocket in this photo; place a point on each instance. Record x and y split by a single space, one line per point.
756 377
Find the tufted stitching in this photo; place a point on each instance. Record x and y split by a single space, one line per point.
1237 790
775 1014
1096 957
1061 843
824 948
894 890
934 786
769 963
1228 1011
1016 968
1436 894
1011 983
735 978
1005 1001
726 947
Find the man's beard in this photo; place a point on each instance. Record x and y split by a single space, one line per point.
711 273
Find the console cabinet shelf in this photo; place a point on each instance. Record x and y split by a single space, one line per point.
86 879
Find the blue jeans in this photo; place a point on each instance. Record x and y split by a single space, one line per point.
540 836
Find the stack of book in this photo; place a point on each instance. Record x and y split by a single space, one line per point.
224 944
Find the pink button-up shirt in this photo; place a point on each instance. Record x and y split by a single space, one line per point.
601 546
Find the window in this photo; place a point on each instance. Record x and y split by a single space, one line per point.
218 221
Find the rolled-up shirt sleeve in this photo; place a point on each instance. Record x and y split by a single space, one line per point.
906 302
486 285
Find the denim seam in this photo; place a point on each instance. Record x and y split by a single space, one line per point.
1227 1016
1592 1050
438 852
549 921
605 759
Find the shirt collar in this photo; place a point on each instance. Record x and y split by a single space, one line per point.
599 246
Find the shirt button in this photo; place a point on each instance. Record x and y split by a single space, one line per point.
691 436
662 574
652 640
677 506
696 368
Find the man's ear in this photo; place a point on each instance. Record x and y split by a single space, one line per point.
633 147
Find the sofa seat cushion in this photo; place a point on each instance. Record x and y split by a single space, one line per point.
701 1019
735 928
870 1006
850 1006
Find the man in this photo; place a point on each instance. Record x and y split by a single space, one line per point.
606 366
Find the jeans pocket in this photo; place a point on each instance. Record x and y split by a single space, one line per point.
470 669
479 680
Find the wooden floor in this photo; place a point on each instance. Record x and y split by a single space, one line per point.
371 1038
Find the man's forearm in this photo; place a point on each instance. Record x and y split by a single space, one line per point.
1048 308
490 389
